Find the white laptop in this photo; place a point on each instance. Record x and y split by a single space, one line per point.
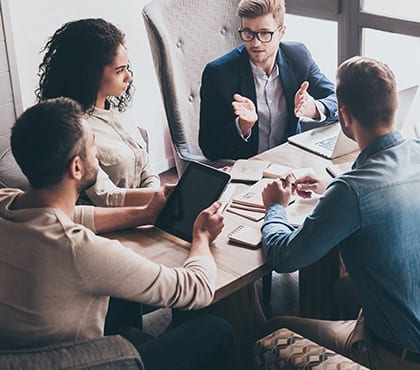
330 142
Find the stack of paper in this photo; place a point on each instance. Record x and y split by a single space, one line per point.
249 203
248 170
276 171
279 171
252 214
252 197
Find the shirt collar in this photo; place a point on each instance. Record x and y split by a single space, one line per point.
379 144
258 72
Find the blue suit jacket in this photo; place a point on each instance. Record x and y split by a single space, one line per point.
230 74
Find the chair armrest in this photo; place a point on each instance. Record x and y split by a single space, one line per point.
109 352
11 175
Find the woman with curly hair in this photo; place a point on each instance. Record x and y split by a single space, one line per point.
86 60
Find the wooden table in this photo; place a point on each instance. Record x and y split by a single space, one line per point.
238 268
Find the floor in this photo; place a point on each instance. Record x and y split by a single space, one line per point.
284 291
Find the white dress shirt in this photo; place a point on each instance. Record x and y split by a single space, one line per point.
272 109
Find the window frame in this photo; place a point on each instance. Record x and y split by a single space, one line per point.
351 21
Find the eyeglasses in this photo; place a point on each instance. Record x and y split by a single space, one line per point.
263 36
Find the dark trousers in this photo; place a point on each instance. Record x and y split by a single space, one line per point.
203 342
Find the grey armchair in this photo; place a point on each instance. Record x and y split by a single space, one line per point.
184 36
10 174
105 353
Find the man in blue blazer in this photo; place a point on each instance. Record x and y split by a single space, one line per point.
252 98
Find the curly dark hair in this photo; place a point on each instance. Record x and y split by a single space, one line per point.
74 61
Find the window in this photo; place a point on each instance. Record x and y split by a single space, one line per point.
402 9
400 52
322 43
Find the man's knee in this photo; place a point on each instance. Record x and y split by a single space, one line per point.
217 330
212 341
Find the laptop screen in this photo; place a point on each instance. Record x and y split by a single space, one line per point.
405 99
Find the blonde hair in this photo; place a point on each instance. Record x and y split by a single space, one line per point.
257 8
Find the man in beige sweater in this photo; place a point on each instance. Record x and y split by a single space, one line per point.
56 274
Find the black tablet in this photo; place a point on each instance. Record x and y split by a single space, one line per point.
198 187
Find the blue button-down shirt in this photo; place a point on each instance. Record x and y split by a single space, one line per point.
373 213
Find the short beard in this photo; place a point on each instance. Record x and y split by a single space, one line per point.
88 183
345 130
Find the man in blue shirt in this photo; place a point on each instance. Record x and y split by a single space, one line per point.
373 214
253 97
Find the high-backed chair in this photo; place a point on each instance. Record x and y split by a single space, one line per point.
184 36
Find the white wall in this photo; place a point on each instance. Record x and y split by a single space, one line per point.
33 22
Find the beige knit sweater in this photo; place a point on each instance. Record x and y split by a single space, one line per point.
56 276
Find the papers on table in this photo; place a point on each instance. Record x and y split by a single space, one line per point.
278 171
248 170
250 213
249 203
252 196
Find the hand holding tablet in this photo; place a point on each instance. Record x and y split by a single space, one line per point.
199 186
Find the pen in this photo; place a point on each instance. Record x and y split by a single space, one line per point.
331 172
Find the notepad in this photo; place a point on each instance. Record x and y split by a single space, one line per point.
252 196
246 236
276 171
248 170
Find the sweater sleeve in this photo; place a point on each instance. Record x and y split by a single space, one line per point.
108 268
105 193
85 215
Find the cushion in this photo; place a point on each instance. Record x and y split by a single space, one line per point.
10 174
105 353
284 349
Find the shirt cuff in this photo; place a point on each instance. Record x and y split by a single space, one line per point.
321 110
247 135
322 113
85 215
276 211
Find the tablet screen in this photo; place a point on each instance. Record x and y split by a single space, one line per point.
197 189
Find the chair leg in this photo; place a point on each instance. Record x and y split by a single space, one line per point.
266 285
